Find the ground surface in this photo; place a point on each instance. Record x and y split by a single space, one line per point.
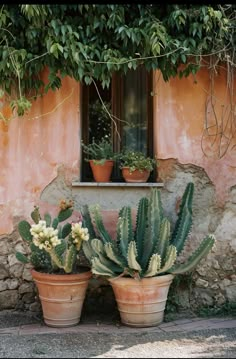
24 336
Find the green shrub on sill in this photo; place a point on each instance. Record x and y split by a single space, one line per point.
136 160
148 250
99 151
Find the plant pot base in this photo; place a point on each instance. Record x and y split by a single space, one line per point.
141 303
61 296
136 176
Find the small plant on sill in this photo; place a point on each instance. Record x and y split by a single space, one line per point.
136 160
99 151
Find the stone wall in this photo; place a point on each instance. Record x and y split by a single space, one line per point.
212 283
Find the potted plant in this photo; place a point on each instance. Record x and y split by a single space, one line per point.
135 166
54 247
143 260
101 158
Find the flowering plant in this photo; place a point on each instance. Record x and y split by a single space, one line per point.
136 160
54 247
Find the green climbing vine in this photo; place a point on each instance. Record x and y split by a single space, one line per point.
90 42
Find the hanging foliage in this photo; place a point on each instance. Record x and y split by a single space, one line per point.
89 42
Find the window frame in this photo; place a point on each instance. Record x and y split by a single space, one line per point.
117 105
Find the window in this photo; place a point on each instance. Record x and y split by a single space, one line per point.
129 101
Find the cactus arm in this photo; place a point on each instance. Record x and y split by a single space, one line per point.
97 246
183 230
59 228
164 239
87 221
153 266
131 257
56 256
100 268
40 259
141 219
95 214
184 222
48 219
113 255
70 259
88 250
170 259
118 231
155 215
66 229
203 249
64 214
115 268
21 257
55 223
35 215
125 228
24 230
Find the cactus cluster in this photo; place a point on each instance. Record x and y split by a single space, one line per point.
53 246
150 248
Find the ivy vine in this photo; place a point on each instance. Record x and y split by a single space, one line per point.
91 42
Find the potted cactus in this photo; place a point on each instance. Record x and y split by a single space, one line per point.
54 247
143 260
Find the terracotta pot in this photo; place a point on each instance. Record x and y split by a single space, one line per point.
135 176
61 296
141 303
102 172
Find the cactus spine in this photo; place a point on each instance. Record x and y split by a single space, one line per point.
149 250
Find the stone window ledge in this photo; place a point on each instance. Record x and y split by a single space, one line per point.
116 184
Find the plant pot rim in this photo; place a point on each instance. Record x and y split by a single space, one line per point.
92 160
146 280
136 169
61 276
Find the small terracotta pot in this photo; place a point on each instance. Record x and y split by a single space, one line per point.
135 176
102 172
61 296
141 303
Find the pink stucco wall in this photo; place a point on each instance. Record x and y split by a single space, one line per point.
34 147
179 112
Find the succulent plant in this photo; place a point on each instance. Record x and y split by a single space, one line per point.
53 247
151 248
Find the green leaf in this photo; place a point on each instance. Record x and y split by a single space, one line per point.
21 257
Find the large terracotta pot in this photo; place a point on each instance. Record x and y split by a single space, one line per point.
141 303
135 176
61 296
102 172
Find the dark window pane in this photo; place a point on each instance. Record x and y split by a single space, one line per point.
134 134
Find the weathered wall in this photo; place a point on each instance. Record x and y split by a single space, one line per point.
188 153
40 158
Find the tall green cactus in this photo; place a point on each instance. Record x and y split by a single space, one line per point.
148 250
61 257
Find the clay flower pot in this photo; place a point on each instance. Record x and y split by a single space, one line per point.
135 176
62 296
141 303
102 172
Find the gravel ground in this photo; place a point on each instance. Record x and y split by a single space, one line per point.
208 343
201 344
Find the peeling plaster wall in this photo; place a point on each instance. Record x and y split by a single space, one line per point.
32 150
179 112
40 156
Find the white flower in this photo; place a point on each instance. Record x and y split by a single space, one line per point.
79 233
